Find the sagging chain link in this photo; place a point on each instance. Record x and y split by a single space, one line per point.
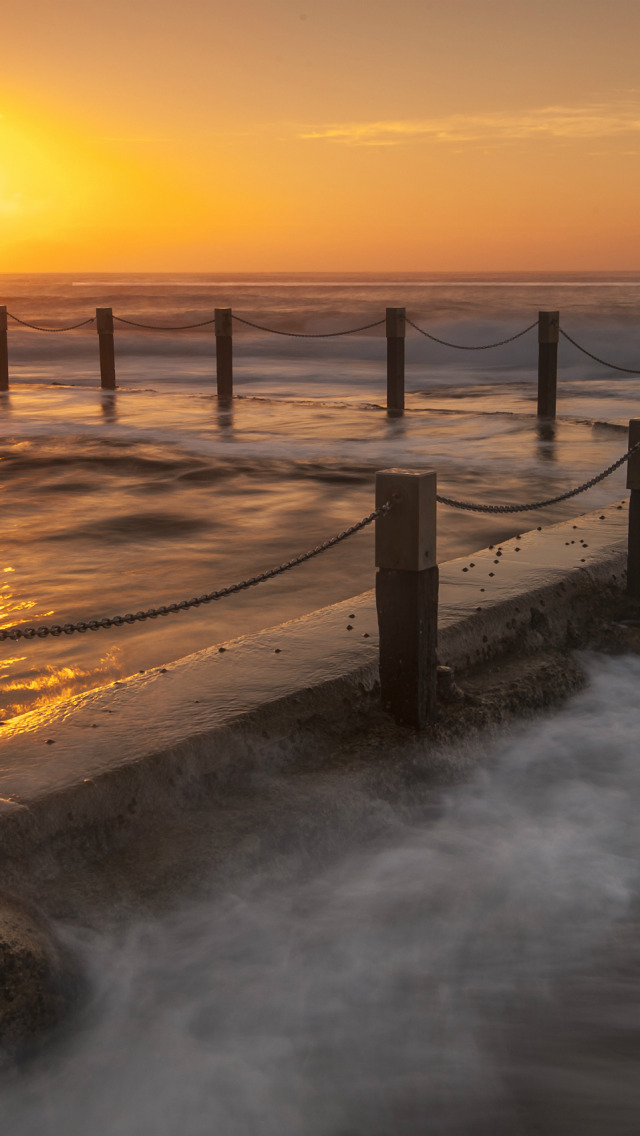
35 326
467 347
614 366
473 508
307 334
163 327
16 633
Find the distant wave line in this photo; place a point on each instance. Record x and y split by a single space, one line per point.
358 284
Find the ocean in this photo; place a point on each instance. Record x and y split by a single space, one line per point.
116 503
458 963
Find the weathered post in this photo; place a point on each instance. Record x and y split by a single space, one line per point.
407 594
548 336
396 318
104 325
224 354
633 483
4 352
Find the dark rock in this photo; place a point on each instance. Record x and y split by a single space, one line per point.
36 977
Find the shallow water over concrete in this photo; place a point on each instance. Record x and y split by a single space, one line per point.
101 520
460 961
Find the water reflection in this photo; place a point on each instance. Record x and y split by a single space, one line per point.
108 407
25 683
224 417
26 687
396 426
546 436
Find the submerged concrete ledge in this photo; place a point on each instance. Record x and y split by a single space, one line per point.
92 758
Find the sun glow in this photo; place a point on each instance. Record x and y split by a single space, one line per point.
67 198
457 136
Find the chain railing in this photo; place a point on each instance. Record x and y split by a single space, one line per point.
470 506
163 327
396 319
472 347
328 334
36 327
614 366
308 334
16 633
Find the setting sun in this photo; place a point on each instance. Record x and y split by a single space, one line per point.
289 136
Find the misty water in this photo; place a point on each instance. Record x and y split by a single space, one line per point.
456 962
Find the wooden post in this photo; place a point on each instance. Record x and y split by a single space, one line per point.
633 483
407 594
104 325
4 353
224 354
548 336
395 360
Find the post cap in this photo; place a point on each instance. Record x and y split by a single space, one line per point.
406 535
222 318
548 327
104 321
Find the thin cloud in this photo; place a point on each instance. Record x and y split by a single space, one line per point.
596 121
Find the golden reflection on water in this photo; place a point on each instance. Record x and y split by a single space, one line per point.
39 687
9 607
44 686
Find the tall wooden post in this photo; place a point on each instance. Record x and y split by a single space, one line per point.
104 325
407 594
548 336
395 359
224 353
633 483
4 352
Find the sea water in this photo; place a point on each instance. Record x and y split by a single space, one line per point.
465 964
113 503
459 964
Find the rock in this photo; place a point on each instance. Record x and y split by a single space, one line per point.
36 976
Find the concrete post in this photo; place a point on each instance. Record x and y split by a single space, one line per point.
633 483
395 360
4 352
548 336
407 594
104 326
224 354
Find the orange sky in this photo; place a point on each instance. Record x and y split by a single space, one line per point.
281 135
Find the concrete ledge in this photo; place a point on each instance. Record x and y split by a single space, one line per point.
102 756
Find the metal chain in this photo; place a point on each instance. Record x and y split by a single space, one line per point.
170 609
466 347
35 326
157 327
471 507
307 334
614 366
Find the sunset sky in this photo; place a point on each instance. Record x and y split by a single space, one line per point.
320 135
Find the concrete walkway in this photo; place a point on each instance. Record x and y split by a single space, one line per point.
81 760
